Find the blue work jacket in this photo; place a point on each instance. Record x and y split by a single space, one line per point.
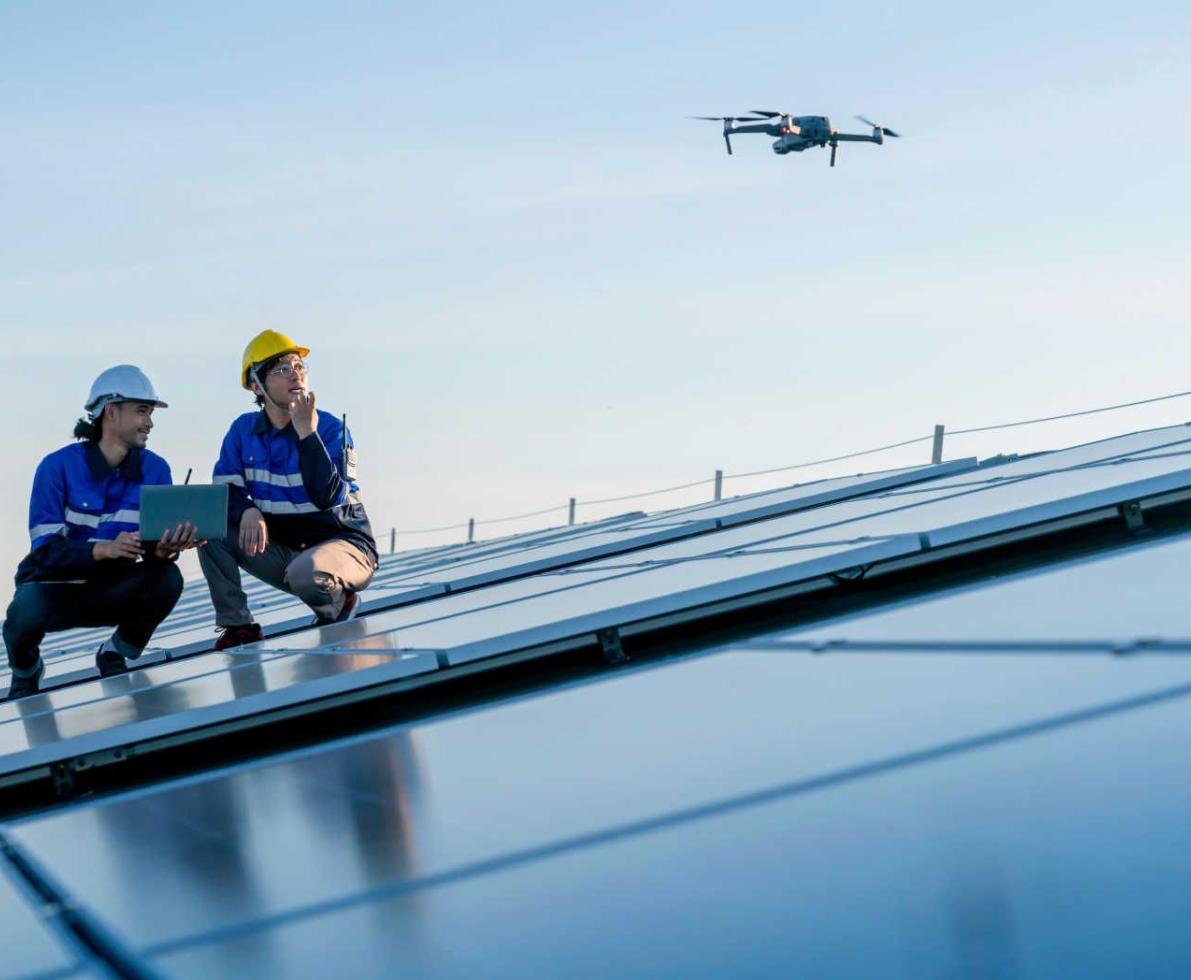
305 488
79 499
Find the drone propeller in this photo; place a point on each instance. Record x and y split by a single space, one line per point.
726 118
767 113
884 131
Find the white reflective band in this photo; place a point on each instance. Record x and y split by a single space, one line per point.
122 517
235 481
284 507
40 529
275 479
88 520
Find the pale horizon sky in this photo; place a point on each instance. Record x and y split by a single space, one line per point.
526 275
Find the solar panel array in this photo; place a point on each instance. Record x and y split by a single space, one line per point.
969 781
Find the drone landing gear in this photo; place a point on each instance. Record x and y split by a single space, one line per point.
834 147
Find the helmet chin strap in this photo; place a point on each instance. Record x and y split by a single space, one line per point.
265 392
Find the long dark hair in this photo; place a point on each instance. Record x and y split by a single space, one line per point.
89 429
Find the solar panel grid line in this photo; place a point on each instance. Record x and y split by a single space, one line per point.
1084 646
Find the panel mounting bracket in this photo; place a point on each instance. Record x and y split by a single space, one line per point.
610 646
1134 519
63 776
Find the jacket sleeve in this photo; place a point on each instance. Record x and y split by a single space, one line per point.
320 459
229 469
53 554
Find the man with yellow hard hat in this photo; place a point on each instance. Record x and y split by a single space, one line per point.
295 519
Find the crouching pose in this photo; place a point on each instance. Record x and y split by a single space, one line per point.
295 519
88 566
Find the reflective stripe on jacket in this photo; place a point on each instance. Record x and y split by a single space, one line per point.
306 488
78 499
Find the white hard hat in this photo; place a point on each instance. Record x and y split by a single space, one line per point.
122 383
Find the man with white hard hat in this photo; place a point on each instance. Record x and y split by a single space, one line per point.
295 518
87 565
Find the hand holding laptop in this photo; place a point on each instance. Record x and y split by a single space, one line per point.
178 539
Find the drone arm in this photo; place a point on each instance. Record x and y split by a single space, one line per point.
855 138
764 127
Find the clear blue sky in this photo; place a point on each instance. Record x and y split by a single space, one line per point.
525 274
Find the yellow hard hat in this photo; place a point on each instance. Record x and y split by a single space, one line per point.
267 344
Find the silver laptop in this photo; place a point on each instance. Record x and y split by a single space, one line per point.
204 506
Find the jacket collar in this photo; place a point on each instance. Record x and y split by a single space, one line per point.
130 469
262 425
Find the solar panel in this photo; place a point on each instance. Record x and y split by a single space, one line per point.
408 578
170 698
895 766
684 578
1130 599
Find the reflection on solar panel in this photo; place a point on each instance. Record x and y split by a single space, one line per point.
882 719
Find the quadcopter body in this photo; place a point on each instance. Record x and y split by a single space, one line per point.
796 133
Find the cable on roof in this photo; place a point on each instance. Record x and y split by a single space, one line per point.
1070 415
799 466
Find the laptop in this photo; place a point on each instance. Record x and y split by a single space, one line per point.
165 507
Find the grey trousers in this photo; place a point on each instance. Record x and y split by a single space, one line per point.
321 576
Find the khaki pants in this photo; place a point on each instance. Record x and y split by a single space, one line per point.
321 576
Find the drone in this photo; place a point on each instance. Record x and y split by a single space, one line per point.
796 133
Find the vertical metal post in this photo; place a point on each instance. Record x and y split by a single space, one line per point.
719 484
471 530
936 452
392 540
571 512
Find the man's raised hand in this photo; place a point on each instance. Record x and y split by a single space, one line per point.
301 411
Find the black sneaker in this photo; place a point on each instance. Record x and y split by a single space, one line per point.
110 663
22 687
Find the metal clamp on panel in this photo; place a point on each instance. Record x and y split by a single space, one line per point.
1134 519
610 646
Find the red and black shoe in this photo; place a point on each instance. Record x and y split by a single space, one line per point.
351 605
237 636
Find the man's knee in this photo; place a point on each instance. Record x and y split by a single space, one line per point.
163 584
28 613
303 579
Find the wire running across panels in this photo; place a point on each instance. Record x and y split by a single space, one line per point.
780 796
408 578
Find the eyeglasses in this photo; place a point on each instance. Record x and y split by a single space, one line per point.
287 369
